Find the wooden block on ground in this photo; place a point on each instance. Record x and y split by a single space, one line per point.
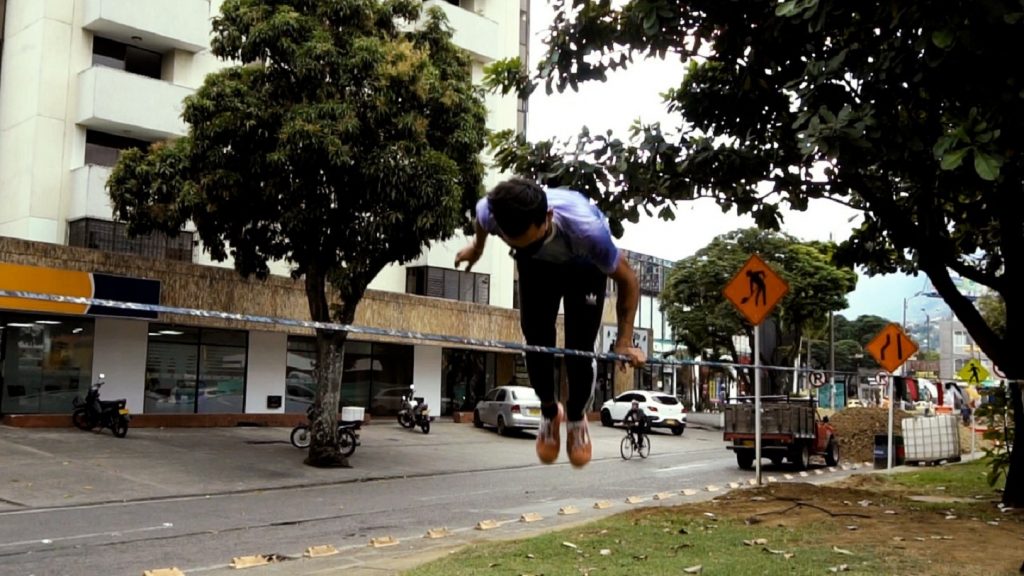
320 551
602 504
531 517
249 561
163 572
567 510
486 525
437 533
688 492
382 541
662 496
634 500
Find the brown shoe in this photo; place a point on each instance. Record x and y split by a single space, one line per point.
577 443
549 437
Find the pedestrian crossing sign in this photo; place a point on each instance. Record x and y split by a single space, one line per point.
755 290
973 372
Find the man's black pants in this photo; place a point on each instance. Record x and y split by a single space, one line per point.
581 288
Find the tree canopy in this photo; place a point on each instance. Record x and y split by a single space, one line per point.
348 140
906 112
706 323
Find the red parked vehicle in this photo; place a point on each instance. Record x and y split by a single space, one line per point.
791 429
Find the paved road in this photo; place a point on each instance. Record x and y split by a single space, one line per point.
454 477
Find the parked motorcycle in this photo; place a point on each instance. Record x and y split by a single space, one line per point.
414 412
93 412
348 434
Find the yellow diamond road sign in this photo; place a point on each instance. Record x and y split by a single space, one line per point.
755 290
973 372
891 347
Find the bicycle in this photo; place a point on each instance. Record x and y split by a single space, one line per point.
629 445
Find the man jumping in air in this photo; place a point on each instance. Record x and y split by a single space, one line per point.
564 254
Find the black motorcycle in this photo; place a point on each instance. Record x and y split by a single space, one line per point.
414 412
348 434
93 412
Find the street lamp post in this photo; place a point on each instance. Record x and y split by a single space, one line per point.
927 330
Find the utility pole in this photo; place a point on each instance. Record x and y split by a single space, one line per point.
832 357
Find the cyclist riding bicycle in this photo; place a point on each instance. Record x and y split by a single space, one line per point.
636 422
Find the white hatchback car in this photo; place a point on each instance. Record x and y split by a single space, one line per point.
662 410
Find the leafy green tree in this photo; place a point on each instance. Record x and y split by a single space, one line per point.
906 112
993 310
865 327
348 141
705 322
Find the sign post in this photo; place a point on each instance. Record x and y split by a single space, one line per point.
891 348
974 373
754 291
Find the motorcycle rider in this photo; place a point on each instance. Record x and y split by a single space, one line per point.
636 422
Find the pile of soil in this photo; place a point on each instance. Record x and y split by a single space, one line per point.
856 429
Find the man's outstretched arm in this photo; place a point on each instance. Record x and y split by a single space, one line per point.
626 302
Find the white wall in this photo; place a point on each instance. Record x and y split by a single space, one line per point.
426 376
119 351
33 106
265 374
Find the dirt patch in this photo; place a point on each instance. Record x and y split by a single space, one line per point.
856 429
914 537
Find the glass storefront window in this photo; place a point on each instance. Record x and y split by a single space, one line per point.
360 369
467 376
46 360
375 377
192 370
393 380
300 388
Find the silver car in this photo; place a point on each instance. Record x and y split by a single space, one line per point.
508 408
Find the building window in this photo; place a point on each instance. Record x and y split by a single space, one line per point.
113 237
376 376
448 283
113 54
45 361
102 149
300 388
195 370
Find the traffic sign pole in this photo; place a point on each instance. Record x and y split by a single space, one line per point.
892 403
757 403
754 291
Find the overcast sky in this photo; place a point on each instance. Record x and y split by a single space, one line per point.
635 94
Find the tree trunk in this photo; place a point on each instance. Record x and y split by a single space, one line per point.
1013 492
330 362
330 354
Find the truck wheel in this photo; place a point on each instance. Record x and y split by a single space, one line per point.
801 456
832 453
745 459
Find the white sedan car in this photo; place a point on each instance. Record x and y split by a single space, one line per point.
662 410
508 408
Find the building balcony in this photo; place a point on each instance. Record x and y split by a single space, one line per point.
131 105
89 197
158 25
474 33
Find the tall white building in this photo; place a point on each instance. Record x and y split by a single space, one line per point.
82 80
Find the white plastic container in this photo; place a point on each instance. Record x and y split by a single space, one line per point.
931 438
352 413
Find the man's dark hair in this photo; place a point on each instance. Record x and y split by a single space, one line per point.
516 204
